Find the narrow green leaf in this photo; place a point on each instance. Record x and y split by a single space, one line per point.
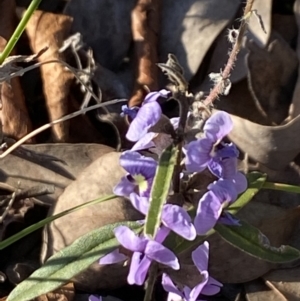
7 242
256 181
282 187
250 240
160 189
69 262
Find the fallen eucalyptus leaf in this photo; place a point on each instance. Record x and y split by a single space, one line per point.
273 146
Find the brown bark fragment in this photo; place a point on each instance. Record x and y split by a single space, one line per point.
145 28
13 112
47 29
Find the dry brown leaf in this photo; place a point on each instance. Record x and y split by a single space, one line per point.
271 73
257 291
96 181
295 105
64 293
145 19
273 146
13 112
47 29
54 164
286 281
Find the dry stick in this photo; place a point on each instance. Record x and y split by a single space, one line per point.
214 93
8 207
50 124
145 28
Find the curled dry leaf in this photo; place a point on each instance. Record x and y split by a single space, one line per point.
54 164
96 181
13 112
270 76
145 19
47 29
273 146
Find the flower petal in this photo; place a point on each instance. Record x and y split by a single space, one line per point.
197 290
124 187
162 233
218 126
169 286
227 219
224 189
95 298
200 257
212 287
112 257
145 142
131 112
161 254
147 116
208 212
198 154
139 203
138 269
178 220
129 240
240 182
136 164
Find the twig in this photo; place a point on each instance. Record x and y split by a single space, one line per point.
225 74
13 196
50 124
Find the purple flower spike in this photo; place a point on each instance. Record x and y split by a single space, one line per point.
144 251
173 217
208 286
141 171
147 116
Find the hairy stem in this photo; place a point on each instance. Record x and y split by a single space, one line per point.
151 282
214 93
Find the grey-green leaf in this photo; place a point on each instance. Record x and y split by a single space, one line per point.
250 240
69 262
160 189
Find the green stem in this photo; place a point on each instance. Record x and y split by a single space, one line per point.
151 281
19 30
282 187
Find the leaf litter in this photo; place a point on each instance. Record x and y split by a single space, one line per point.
196 32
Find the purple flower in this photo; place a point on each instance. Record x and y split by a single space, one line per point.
173 217
131 112
209 150
147 116
95 298
144 251
208 286
210 207
141 171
